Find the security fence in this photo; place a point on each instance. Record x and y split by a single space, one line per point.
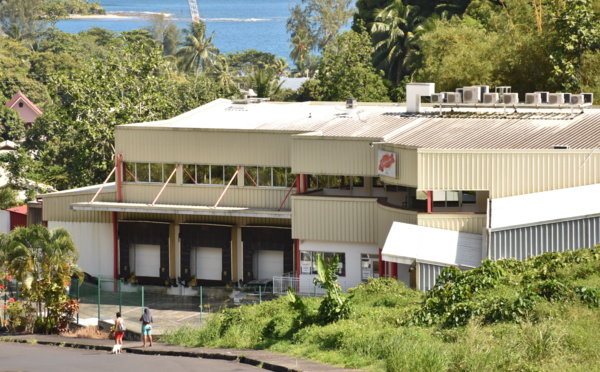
172 307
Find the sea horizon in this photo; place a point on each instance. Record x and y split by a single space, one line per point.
238 24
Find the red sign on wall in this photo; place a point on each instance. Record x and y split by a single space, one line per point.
386 163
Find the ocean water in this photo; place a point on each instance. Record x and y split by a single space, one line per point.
238 24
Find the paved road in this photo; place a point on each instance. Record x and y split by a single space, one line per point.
43 358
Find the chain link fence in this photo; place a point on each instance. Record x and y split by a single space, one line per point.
171 307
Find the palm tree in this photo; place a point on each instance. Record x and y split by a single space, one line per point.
43 261
197 52
265 82
223 77
394 33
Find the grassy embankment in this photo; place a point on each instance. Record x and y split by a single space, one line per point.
538 315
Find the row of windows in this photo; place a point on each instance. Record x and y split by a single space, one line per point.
209 174
222 174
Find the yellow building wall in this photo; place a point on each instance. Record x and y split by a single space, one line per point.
188 146
339 156
506 173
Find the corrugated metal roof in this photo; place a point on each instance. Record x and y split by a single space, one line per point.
479 129
470 133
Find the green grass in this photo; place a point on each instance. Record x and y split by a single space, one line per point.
538 315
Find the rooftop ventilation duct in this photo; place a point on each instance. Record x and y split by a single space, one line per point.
414 92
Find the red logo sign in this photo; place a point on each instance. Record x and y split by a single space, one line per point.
386 162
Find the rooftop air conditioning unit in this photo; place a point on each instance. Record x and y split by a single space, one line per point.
577 99
502 90
452 97
556 98
491 98
438 97
533 98
510 98
544 96
351 103
471 94
588 98
567 97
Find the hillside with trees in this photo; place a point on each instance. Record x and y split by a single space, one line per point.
89 82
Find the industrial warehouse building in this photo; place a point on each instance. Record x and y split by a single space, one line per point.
240 190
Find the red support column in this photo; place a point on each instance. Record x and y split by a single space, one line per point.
429 201
394 270
381 265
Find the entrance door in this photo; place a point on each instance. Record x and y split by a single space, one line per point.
147 260
209 263
268 264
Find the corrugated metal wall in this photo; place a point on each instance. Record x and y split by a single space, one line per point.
57 207
506 173
428 275
334 219
315 155
407 167
471 223
524 242
251 197
386 216
179 145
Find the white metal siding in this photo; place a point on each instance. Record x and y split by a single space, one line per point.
428 275
94 241
525 242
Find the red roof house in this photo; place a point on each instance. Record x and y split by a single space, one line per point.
27 109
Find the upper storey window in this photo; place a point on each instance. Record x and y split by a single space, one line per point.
148 172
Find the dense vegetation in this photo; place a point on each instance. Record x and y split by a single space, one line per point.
537 315
90 82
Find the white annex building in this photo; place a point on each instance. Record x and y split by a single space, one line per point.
241 190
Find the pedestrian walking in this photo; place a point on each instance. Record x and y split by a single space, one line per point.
146 320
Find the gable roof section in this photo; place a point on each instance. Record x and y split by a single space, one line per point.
19 96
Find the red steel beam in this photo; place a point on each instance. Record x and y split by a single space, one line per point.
165 185
288 194
104 183
227 188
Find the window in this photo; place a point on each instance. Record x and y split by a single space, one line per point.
148 172
308 261
268 176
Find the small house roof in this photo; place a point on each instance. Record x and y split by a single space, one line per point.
19 96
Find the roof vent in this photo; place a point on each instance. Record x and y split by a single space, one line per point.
561 147
351 103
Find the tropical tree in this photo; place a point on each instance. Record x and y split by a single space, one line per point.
394 33
72 142
12 126
197 52
43 261
575 32
224 79
265 82
346 71
315 23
